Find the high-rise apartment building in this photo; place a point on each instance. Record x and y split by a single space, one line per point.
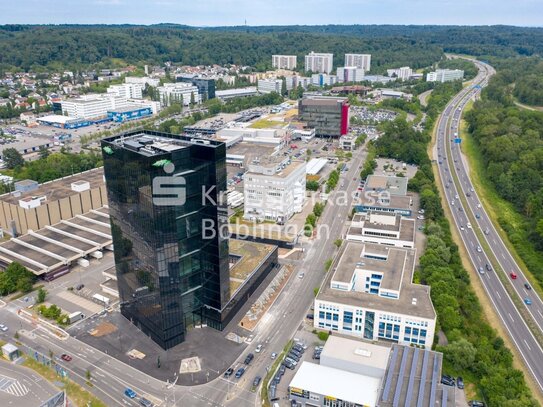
163 192
358 60
126 90
350 74
403 73
284 61
319 62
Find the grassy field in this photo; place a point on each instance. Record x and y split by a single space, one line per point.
74 391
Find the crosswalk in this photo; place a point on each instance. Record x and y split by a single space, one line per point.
12 386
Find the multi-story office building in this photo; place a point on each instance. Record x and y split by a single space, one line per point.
180 92
319 62
382 228
170 274
142 81
350 74
445 75
322 79
368 293
403 73
270 85
126 90
329 116
92 106
384 202
206 86
358 60
284 61
274 190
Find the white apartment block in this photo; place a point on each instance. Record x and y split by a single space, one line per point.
270 85
350 74
126 90
284 61
92 106
322 79
388 229
179 92
142 81
403 73
274 191
445 75
319 62
368 293
358 60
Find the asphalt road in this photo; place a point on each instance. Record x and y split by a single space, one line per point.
110 377
448 155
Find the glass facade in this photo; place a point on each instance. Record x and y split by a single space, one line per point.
171 272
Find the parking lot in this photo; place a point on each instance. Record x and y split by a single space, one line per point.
371 116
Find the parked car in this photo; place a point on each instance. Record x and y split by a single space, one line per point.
240 372
460 382
256 381
228 372
3 328
128 392
447 380
79 286
476 403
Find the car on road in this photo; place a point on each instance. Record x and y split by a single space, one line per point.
301 275
527 286
488 267
481 270
447 380
3 328
468 225
249 358
256 381
240 372
478 216
479 250
452 202
145 403
456 196
128 392
79 286
228 372
462 227
273 356
527 301
66 357
513 275
460 382
487 231
478 206
258 348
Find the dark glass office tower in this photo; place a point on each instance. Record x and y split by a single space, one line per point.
163 191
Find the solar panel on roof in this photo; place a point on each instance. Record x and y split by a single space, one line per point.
434 381
390 373
399 383
409 395
422 384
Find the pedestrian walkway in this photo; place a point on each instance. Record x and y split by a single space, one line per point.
12 386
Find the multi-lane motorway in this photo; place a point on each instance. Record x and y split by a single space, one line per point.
110 377
454 175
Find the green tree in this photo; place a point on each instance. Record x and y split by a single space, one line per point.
312 185
42 294
461 354
338 242
13 158
43 152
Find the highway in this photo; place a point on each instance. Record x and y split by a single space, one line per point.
110 377
453 166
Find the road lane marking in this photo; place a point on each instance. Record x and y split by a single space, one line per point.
498 294
528 346
511 317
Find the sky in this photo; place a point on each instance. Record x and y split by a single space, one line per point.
273 12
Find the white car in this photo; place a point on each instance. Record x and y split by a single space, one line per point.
479 250
301 275
420 217
478 206
3 328
258 348
462 227
456 196
273 356
468 225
